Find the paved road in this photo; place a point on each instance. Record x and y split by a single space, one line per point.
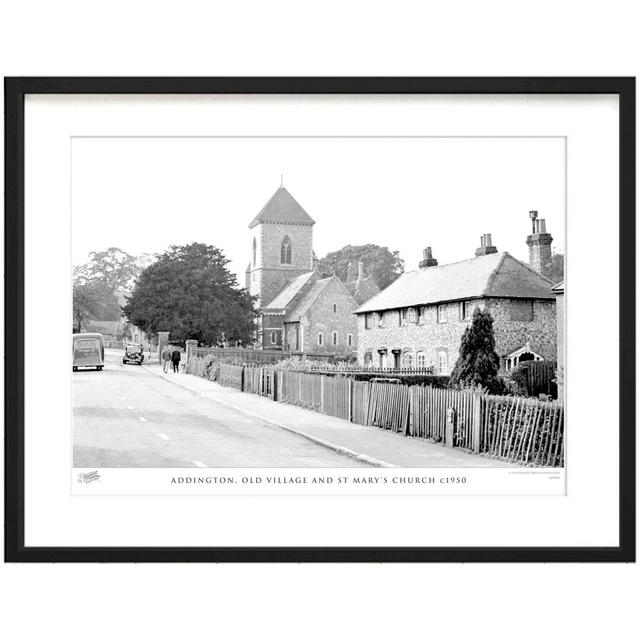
125 416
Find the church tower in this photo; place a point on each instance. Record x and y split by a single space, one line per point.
281 246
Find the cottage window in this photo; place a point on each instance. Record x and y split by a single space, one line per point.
466 310
334 338
421 359
402 317
368 359
350 339
285 251
521 310
442 363
274 337
381 320
368 320
442 313
422 315
320 339
414 315
407 360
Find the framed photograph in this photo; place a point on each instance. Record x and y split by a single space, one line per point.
320 319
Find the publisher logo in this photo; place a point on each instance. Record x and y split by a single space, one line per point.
88 477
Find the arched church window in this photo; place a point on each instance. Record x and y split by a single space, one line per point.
285 251
254 249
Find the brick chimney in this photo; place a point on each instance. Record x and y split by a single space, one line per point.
427 259
485 247
539 243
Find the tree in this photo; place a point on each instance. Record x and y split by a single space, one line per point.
478 363
190 292
383 265
557 268
92 301
115 268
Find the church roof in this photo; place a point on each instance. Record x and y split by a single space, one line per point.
284 208
497 275
288 292
311 296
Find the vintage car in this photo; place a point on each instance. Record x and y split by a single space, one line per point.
133 353
88 350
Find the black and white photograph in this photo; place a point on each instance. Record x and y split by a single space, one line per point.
318 302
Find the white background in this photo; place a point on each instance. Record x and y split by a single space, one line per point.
401 38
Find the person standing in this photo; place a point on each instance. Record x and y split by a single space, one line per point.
175 359
166 358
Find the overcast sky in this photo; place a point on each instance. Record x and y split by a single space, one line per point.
144 194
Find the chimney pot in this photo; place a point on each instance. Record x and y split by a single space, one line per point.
485 247
427 259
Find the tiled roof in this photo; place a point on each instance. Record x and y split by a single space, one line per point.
311 296
282 207
497 275
288 292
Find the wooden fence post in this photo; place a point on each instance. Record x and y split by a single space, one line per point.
321 394
450 427
476 425
350 379
242 383
408 428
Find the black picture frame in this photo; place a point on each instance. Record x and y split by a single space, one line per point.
15 91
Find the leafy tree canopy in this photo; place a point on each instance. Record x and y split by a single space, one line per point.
115 268
190 292
92 300
557 268
478 363
383 265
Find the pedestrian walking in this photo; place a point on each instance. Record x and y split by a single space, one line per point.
175 359
166 358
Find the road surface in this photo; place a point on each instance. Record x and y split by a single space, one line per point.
126 416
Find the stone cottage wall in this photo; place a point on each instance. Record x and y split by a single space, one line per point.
432 343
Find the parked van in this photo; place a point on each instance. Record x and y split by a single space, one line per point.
88 350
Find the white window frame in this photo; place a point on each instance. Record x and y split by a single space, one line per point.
350 339
443 355
421 356
368 321
320 339
334 338
382 320
273 337
441 311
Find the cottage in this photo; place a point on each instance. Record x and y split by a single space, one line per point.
300 309
418 321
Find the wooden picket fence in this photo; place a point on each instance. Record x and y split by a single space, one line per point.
522 430
230 376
